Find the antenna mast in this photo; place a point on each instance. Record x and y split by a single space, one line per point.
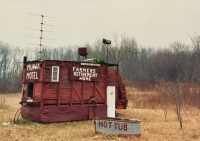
41 32
41 37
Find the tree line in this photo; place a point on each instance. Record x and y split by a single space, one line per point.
177 62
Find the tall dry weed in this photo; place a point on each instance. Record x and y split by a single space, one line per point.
3 102
158 98
153 125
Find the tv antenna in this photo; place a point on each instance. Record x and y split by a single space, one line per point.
41 32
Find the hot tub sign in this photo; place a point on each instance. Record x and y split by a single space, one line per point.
117 125
33 71
114 125
84 73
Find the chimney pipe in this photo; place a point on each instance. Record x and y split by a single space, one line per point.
25 59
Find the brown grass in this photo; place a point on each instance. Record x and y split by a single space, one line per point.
154 127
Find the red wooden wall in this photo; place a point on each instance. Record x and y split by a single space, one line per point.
80 99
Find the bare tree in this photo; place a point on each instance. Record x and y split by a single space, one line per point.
10 68
196 47
129 63
178 71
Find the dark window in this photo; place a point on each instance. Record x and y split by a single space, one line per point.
30 90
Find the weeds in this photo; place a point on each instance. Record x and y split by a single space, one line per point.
195 136
3 103
23 121
157 98
153 125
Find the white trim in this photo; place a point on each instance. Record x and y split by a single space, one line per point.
89 64
29 100
55 74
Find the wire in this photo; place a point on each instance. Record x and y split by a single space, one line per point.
39 30
33 29
41 15
48 24
40 38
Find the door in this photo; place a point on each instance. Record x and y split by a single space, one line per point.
111 101
30 90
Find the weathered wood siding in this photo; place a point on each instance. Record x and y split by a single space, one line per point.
73 97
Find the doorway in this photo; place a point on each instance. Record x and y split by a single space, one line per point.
30 90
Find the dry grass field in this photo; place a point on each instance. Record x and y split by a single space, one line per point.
154 126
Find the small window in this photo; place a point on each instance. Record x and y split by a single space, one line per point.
55 74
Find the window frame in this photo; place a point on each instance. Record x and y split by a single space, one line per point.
57 75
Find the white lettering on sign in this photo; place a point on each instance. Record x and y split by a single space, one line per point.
31 75
32 71
87 74
31 67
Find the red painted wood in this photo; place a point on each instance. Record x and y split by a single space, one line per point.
70 98
55 114
32 113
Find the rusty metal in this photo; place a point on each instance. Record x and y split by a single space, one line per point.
118 125
17 115
25 59
82 51
105 41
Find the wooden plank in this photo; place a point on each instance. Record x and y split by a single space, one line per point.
72 85
100 111
101 93
49 91
50 95
59 87
37 90
64 114
78 93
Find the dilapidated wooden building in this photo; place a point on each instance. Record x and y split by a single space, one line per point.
56 91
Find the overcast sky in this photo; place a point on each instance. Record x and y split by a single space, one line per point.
154 23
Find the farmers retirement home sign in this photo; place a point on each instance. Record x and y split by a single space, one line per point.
84 73
32 71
